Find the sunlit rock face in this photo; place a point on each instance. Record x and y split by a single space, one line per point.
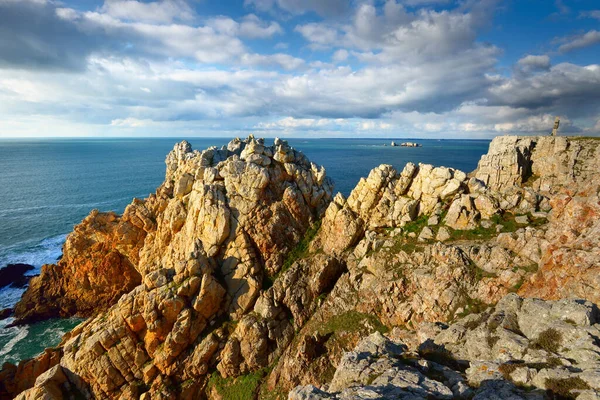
251 271
196 251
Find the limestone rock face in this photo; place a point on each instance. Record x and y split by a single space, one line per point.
388 198
520 343
99 264
220 225
235 286
569 265
548 162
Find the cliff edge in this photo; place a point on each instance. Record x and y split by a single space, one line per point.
256 282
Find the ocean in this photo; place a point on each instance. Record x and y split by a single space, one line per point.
49 185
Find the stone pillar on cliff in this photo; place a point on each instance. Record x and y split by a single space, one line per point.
556 124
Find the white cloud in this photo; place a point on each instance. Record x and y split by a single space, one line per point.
380 70
535 62
285 61
162 11
373 125
578 42
317 33
131 122
253 27
424 2
340 55
250 26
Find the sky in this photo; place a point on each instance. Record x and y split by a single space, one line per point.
299 68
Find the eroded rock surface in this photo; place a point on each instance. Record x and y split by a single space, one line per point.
98 266
520 349
253 275
218 227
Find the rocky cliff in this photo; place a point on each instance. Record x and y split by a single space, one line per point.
256 282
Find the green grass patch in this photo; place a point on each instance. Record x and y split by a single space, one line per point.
301 249
353 321
508 368
297 253
417 225
576 138
244 387
492 340
442 356
471 306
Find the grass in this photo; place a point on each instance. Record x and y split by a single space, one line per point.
417 225
563 388
352 321
528 182
243 387
297 253
584 137
492 340
549 340
471 306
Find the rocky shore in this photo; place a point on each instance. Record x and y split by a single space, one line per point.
243 276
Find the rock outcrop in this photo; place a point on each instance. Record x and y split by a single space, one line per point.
521 349
217 229
14 275
254 278
98 265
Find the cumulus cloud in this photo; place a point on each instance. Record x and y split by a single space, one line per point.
49 43
250 26
424 2
133 66
285 61
580 41
340 55
162 11
535 62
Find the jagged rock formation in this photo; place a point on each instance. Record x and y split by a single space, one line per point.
219 226
430 244
98 266
521 349
240 283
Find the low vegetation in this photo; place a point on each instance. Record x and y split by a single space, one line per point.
353 321
565 388
300 251
243 387
549 340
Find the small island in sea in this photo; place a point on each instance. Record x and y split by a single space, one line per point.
406 144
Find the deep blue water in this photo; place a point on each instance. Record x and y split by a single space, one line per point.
48 186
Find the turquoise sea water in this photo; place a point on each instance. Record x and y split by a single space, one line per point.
48 186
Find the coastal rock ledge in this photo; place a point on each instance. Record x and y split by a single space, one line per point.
244 277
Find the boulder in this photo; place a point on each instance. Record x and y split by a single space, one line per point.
14 275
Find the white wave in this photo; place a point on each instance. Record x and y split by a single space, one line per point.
45 252
21 334
9 296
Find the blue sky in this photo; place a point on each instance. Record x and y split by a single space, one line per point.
312 68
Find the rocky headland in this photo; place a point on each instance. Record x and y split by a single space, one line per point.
244 277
